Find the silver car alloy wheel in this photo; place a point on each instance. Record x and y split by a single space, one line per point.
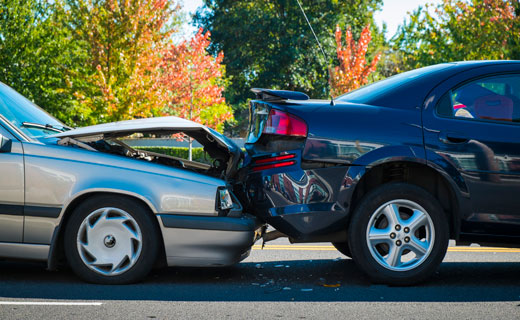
109 241
400 235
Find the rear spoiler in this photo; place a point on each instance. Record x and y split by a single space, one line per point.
278 95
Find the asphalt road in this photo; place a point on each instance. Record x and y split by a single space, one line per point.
280 282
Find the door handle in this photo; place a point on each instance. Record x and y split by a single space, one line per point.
452 138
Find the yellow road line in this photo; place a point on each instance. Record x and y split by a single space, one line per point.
331 248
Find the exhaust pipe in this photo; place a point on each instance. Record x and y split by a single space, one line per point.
272 235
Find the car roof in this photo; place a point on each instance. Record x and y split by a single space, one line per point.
415 84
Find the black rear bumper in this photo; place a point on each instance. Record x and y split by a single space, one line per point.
301 203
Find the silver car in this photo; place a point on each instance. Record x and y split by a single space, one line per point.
113 212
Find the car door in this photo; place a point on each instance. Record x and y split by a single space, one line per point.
475 126
11 188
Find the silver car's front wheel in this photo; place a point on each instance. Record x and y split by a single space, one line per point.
398 234
111 240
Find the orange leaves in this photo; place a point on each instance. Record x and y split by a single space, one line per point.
137 72
125 39
194 82
353 70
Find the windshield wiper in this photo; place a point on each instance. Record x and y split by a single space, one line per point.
45 126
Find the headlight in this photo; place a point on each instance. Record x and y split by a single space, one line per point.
225 201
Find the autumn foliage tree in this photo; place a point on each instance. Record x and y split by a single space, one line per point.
124 39
193 82
353 69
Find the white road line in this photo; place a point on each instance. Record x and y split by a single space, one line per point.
49 303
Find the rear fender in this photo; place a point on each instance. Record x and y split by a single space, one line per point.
440 165
360 166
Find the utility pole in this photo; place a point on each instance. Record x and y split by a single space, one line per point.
191 110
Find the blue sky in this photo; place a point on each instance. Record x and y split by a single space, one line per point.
393 12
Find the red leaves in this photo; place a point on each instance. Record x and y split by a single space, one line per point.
194 81
353 70
137 71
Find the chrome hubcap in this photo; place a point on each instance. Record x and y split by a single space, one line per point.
109 241
400 235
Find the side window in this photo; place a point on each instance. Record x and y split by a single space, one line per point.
493 98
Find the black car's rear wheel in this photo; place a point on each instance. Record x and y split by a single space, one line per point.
111 240
398 234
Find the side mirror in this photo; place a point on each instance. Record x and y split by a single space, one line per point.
5 144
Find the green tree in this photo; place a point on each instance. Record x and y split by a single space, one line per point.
268 43
460 30
38 56
125 40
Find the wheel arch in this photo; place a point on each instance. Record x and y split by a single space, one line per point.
56 251
421 174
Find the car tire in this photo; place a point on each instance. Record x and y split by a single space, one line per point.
398 234
111 240
343 247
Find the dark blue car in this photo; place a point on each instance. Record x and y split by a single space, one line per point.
390 172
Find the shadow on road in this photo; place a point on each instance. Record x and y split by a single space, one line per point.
304 280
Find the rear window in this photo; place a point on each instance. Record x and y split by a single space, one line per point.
375 90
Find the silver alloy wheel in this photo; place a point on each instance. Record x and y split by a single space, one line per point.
400 235
109 241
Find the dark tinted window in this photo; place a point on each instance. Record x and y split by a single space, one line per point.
494 98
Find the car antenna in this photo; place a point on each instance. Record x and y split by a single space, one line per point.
319 45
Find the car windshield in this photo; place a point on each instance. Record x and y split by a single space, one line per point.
369 92
25 115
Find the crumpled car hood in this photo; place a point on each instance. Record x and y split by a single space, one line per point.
121 128
214 141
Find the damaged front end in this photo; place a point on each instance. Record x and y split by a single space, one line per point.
202 220
222 156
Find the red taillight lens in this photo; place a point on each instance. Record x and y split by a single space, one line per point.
283 123
272 162
274 165
275 159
